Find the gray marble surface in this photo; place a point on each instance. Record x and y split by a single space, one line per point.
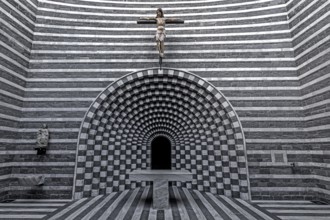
169 175
160 180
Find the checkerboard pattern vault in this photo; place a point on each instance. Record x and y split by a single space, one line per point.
203 128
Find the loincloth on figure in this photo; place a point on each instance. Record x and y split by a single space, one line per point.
160 34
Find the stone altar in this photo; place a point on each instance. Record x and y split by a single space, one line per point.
160 180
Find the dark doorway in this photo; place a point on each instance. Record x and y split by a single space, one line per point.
161 153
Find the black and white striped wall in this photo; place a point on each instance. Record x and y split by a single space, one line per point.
310 28
252 51
17 22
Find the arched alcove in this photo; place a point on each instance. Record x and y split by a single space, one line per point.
203 129
161 153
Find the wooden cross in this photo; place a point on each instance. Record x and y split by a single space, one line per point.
160 20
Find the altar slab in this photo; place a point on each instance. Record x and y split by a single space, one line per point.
160 180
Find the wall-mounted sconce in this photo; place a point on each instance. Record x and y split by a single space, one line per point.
42 140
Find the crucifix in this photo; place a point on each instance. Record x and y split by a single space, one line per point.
160 20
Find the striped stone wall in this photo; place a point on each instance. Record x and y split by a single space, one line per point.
310 28
244 48
17 20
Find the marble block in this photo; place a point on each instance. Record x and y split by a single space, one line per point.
160 194
160 180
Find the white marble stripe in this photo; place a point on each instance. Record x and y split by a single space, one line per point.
208 206
196 209
112 207
12 72
255 2
27 210
11 95
177 36
21 15
310 37
9 117
10 83
89 21
31 205
152 214
294 7
67 209
107 52
313 152
153 3
307 118
298 211
286 129
127 205
303 21
224 208
42 200
180 203
315 93
63 89
50 120
252 88
288 189
7 105
310 60
283 201
33 152
283 140
298 164
90 214
315 81
168 215
238 208
315 69
23 216
311 48
258 212
139 208
293 206
34 130
27 9
134 29
265 98
128 44
84 207
229 69
21 55
286 108
311 26
42 164
288 78
52 99
316 104
10 26
272 119
9 59
55 175
301 217
32 4
293 129
268 59
134 16
249 88
14 40
30 141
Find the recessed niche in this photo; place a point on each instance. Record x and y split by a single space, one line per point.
161 153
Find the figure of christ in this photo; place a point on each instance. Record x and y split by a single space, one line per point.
160 20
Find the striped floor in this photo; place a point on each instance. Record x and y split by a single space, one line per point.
185 204
296 210
30 209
